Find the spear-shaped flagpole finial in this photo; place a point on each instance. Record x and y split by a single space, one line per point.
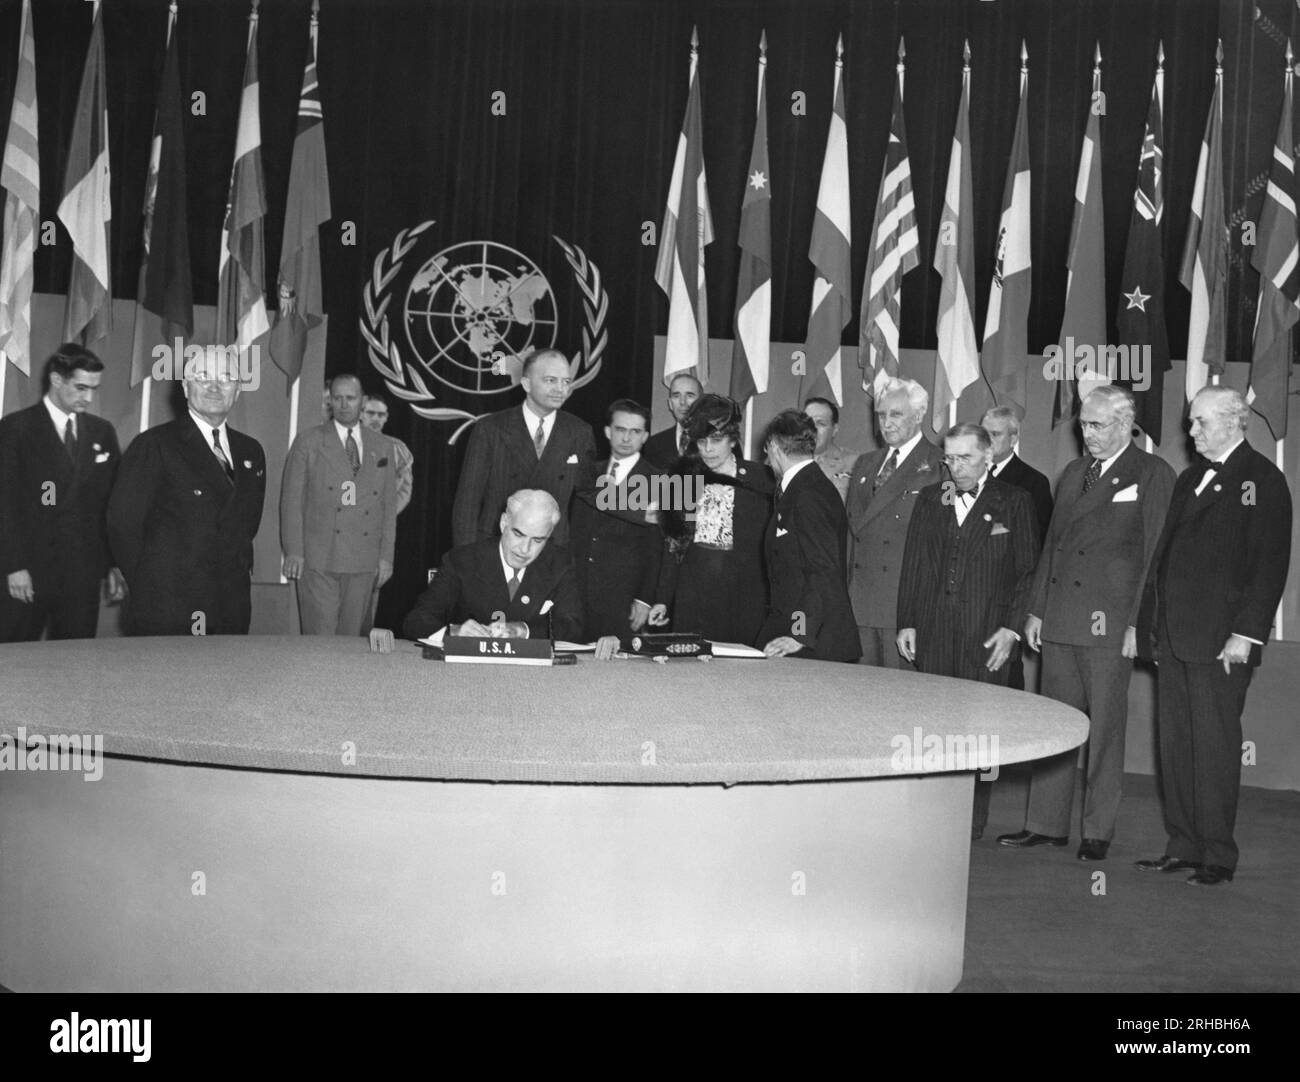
1096 59
695 40
1024 57
1218 58
902 51
965 55
839 47
173 8
315 9
1160 55
1289 55
762 45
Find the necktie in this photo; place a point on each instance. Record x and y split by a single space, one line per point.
539 440
973 494
225 462
1090 478
70 440
1211 468
354 455
683 442
613 471
887 470
512 587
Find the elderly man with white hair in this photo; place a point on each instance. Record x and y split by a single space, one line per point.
513 586
883 488
1211 596
1083 614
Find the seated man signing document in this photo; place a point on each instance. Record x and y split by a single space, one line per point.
512 586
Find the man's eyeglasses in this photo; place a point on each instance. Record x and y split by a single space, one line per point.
966 460
1097 426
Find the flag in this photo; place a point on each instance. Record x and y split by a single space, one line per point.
1083 327
241 301
830 255
165 290
308 207
1277 258
687 228
957 360
1006 338
1140 318
893 252
86 208
20 177
1204 270
751 353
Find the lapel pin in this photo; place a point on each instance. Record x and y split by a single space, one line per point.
1114 480
524 600
988 517
198 492
1218 488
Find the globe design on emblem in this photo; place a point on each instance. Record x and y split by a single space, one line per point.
474 311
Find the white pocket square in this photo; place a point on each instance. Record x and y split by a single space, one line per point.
1126 495
570 460
546 607
101 457
780 532
997 529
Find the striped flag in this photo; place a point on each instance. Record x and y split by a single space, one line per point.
1204 271
1277 258
687 229
241 301
1140 319
830 255
1084 325
307 209
1006 337
165 290
20 176
957 361
893 252
86 209
751 353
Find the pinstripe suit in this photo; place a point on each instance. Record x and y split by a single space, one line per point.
501 459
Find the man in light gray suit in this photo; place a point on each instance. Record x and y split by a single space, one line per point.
883 489
338 515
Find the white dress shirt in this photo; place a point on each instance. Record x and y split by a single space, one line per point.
531 419
205 430
903 451
963 501
342 430
61 419
1209 474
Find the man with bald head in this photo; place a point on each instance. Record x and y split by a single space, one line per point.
666 447
883 489
338 515
533 445
1210 601
1083 614
518 585
185 508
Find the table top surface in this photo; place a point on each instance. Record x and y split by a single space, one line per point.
328 705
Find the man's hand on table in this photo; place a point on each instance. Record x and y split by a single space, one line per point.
606 647
782 646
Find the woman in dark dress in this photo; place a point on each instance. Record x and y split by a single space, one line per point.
712 578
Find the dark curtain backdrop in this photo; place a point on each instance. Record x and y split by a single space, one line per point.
594 93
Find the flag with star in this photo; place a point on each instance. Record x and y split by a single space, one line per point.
1277 258
750 354
1140 318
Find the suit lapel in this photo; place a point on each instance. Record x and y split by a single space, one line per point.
50 441
1121 475
903 475
201 457
1225 481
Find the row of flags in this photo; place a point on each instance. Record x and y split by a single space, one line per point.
1002 361
165 302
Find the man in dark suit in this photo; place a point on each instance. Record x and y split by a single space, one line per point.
967 568
666 447
57 465
617 543
1003 427
338 516
1110 509
512 586
536 445
809 613
883 490
185 509
1211 596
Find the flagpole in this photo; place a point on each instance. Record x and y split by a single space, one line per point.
295 384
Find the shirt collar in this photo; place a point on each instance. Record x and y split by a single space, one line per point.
343 431
506 569
626 465
790 472
1109 462
979 485
59 418
207 428
531 419
1229 452
907 448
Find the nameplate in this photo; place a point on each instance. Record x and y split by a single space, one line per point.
472 650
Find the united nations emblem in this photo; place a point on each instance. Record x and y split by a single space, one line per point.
471 315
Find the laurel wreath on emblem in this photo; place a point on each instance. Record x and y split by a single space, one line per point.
406 383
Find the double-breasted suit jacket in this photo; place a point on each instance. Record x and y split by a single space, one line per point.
1016 471
961 583
501 459
878 523
182 532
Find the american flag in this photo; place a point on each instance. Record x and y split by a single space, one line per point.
893 252
21 179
